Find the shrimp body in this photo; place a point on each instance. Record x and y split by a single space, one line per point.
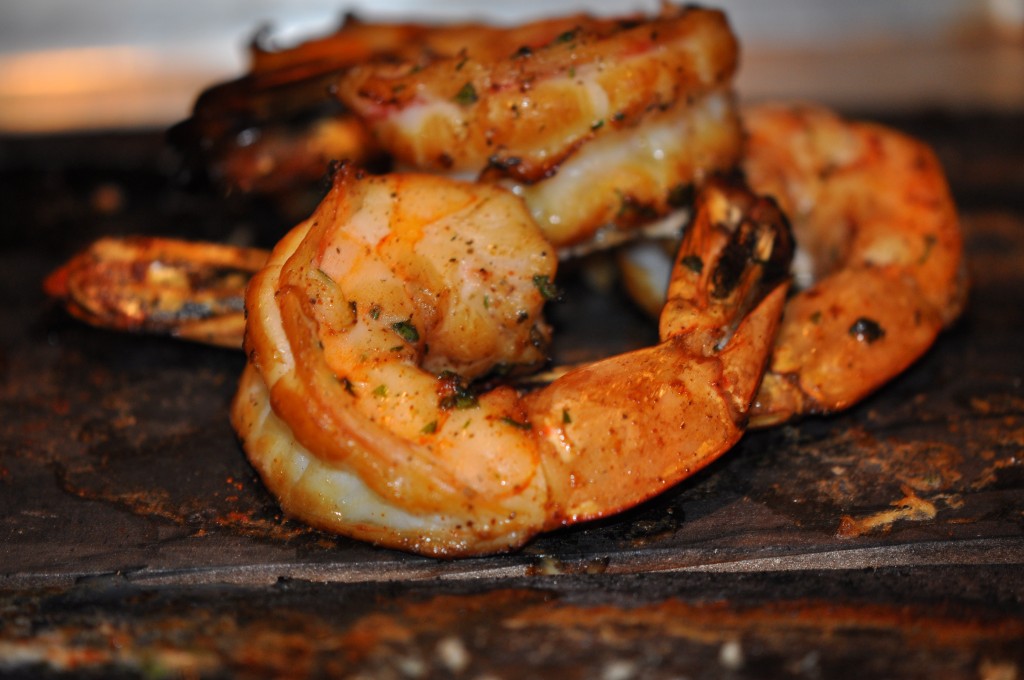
588 101
356 409
872 210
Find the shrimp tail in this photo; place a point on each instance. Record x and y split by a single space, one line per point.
189 290
740 246
747 283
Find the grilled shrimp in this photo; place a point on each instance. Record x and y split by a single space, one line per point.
602 125
879 259
594 122
372 318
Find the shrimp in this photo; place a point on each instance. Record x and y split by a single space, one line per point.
372 317
879 261
190 290
603 126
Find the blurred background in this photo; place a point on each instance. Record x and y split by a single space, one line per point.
115 64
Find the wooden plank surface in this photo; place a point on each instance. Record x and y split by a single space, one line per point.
889 538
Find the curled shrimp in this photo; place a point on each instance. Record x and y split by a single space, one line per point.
879 264
372 317
601 125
